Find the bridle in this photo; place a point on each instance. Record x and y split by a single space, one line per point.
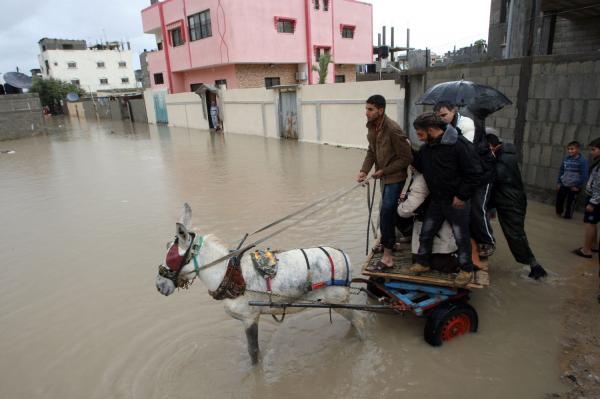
174 262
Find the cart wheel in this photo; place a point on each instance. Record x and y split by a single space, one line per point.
450 320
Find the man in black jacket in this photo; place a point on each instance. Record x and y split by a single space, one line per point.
510 201
452 171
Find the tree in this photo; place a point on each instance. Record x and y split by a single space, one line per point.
324 62
480 43
52 91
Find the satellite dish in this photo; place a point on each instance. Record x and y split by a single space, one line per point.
18 80
72 97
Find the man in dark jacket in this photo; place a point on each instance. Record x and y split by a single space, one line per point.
389 150
510 201
452 171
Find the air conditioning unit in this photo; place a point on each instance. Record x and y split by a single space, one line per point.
301 76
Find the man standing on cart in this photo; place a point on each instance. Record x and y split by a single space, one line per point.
452 170
389 151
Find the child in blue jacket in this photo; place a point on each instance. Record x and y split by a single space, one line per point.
572 177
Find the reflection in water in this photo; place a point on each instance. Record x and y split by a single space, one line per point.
87 209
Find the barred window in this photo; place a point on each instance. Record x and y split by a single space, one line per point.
199 25
176 37
159 79
285 26
348 32
325 5
71 65
122 64
270 82
103 81
100 64
316 4
124 80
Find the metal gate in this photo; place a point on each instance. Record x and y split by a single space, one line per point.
288 115
160 107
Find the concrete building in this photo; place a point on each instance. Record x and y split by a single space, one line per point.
543 27
246 44
102 67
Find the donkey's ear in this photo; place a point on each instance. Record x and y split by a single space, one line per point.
186 216
183 236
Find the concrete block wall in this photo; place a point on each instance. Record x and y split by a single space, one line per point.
563 106
20 116
503 75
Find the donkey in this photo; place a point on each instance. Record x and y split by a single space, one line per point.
308 275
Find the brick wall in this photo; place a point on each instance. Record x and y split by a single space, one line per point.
348 70
253 75
20 116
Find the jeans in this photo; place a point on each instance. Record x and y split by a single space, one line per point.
568 195
387 213
437 212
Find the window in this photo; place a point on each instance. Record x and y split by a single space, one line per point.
159 46
75 82
122 64
340 78
43 47
348 32
47 66
100 64
124 80
316 4
286 25
325 5
71 65
158 79
200 25
67 47
103 81
320 51
270 82
221 82
176 37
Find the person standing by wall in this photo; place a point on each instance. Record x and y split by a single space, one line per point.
572 177
214 115
389 151
591 216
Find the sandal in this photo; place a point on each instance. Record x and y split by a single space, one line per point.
379 267
579 252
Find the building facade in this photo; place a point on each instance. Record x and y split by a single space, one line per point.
246 44
102 67
543 27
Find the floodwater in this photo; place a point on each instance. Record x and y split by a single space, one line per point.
86 211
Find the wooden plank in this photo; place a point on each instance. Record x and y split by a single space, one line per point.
403 261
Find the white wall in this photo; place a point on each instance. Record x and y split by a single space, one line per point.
335 113
185 110
149 101
332 113
250 111
87 71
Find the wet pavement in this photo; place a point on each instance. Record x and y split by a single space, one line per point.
87 210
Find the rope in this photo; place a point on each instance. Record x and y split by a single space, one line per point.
370 202
281 230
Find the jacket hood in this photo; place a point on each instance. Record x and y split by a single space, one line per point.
450 135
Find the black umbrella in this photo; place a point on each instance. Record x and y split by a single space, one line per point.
480 99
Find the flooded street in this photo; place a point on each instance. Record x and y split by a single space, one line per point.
87 210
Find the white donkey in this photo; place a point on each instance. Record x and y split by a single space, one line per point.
308 275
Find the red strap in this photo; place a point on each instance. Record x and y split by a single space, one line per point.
331 263
269 284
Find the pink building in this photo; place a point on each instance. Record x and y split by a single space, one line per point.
243 43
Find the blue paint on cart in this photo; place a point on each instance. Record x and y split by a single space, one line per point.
420 297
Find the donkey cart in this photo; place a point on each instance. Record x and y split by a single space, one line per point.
431 295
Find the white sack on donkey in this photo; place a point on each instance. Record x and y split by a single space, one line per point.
310 274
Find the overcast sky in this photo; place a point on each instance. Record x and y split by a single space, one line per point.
437 24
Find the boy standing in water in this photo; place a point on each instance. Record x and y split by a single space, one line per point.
592 207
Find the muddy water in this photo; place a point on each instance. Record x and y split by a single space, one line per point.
85 215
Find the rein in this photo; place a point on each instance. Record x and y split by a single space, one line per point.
242 250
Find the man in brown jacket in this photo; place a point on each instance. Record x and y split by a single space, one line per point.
390 152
